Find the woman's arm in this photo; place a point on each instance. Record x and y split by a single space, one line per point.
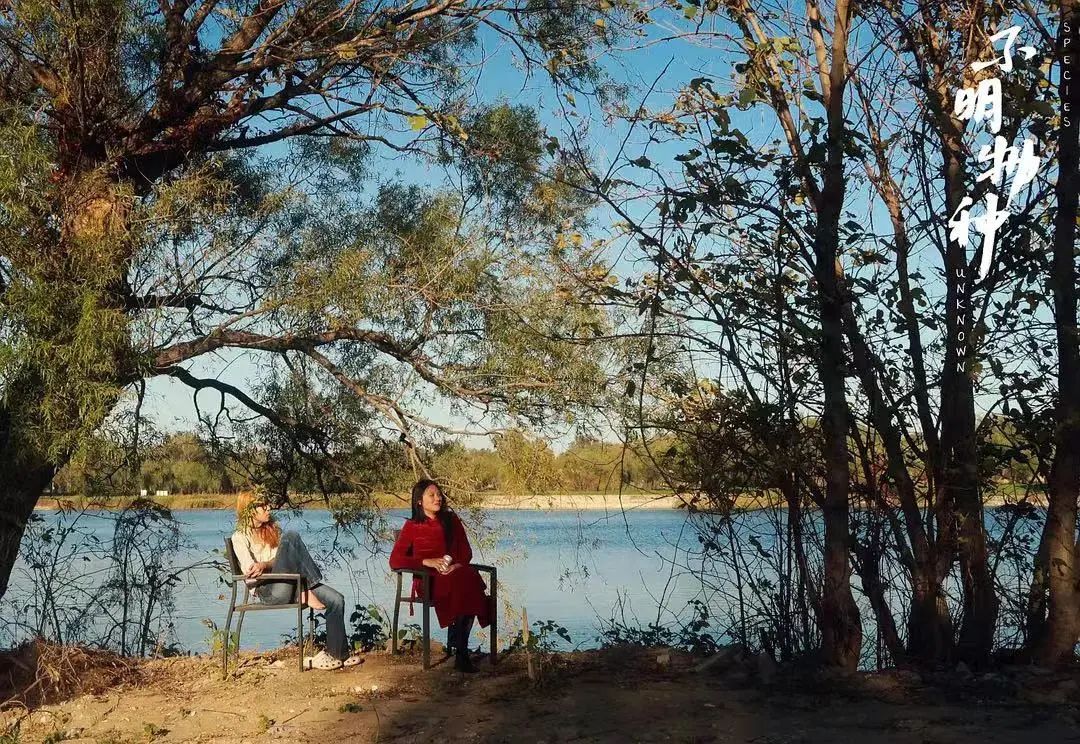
401 556
243 552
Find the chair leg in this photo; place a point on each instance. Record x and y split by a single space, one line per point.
394 624
239 625
494 626
300 631
427 636
225 638
427 621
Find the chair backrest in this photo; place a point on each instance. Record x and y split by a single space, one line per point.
230 555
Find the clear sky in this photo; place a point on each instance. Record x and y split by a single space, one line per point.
652 62
653 67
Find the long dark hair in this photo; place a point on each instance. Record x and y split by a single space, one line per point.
445 515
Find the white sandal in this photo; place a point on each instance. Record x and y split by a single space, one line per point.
354 660
321 660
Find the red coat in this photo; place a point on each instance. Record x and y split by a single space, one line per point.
458 593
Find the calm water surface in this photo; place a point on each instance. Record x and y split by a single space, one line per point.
576 568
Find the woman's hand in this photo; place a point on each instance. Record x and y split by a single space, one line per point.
258 568
450 569
437 563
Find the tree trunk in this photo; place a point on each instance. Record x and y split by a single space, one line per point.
841 629
809 599
930 629
1057 638
46 410
961 505
22 486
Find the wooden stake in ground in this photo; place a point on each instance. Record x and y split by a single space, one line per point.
530 662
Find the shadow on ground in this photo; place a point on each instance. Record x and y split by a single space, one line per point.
615 695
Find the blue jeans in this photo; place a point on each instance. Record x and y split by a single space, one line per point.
293 557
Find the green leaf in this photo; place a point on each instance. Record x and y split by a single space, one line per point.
418 122
690 11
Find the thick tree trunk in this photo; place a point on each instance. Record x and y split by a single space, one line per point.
46 411
19 496
929 624
24 475
1057 638
930 628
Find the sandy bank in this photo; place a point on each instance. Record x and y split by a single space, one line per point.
617 696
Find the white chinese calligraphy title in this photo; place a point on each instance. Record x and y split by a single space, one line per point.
1019 164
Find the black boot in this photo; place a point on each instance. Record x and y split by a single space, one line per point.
451 635
462 662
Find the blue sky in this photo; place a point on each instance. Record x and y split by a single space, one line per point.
170 403
649 62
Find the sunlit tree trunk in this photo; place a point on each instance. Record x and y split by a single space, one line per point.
841 625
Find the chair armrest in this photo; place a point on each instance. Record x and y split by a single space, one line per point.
421 571
482 567
268 577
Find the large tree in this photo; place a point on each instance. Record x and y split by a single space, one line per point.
187 179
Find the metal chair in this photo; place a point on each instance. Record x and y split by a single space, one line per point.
237 578
426 574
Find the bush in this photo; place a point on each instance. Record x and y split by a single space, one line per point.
371 629
690 636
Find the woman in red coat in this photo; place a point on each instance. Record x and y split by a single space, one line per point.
435 538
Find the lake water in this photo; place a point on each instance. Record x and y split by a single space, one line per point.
574 567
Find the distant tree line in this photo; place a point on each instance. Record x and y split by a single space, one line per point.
182 463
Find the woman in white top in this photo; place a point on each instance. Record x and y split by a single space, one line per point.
261 547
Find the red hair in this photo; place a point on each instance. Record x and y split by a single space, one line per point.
268 533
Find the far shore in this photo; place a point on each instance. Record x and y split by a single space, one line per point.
1005 494
561 502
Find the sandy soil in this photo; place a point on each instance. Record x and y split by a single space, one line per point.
610 696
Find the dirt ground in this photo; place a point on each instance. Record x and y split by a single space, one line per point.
617 695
